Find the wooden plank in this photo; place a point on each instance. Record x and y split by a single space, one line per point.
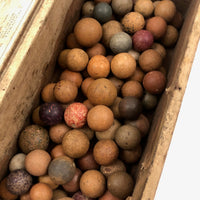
151 164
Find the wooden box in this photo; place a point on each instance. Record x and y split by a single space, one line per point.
30 64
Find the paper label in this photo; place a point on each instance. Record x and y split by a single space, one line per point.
13 15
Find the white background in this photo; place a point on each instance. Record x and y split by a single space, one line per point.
180 179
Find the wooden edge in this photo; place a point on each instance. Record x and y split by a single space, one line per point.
30 67
152 162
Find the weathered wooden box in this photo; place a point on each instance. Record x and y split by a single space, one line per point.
30 64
